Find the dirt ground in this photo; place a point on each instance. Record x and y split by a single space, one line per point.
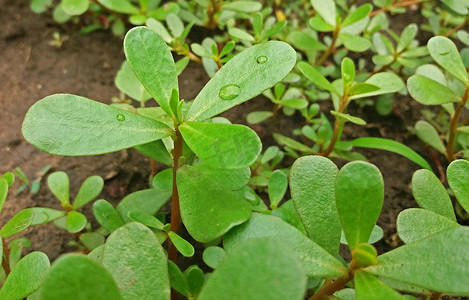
31 69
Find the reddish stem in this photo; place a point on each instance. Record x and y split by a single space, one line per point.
402 4
5 262
454 124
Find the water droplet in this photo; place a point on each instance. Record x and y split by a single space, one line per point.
261 59
229 92
444 53
120 117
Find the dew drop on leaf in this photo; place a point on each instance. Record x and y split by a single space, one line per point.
229 92
261 59
120 117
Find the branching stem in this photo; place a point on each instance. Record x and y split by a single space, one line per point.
331 48
338 284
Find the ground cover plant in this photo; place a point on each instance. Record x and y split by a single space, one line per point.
266 224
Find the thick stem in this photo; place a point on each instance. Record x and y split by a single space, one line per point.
454 124
402 4
5 259
338 284
331 48
175 211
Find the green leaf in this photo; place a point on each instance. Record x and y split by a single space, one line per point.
257 117
128 83
303 40
242 275
183 246
359 198
175 25
431 194
428 134
458 177
89 190
387 83
3 192
429 92
20 222
362 88
316 261
70 125
106 215
195 279
222 145
163 180
58 183
240 34
209 213
407 36
157 72
299 103
319 24
457 6
40 6
213 255
26 276
347 118
278 184
178 281
312 185
59 15
243 78
382 60
146 219
283 140
357 15
354 43
75 7
243 6
348 71
44 215
92 240
75 276
137 262
149 201
155 150
312 74
415 224
438 262
9 177
376 235
120 6
445 53
368 287
75 221
325 8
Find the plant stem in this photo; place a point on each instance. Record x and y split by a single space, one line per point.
331 48
337 127
5 263
175 211
401 4
455 29
211 11
338 284
454 124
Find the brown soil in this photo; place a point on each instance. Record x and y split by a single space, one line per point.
31 69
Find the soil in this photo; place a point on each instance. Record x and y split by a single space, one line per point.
31 69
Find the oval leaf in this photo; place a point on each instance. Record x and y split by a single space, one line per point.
428 134
222 145
89 190
106 215
120 6
429 92
458 178
316 261
387 83
415 224
75 7
137 262
445 53
242 275
278 184
20 222
127 82
326 9
75 221
149 201
312 185
243 77
431 194
75 276
70 125
59 185
26 276
359 198
183 246
368 287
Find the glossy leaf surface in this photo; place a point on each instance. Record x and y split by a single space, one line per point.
312 185
75 276
137 262
359 198
431 194
414 224
222 145
209 213
316 261
444 254
242 275
70 125
458 178
26 276
243 77
152 62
